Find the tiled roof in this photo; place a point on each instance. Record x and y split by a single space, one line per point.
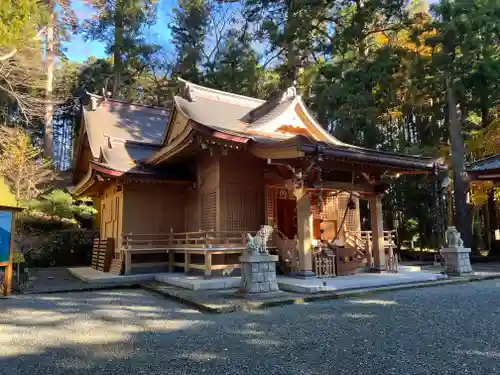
214 113
489 163
123 132
242 115
124 157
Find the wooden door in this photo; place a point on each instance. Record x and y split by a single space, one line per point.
286 210
330 229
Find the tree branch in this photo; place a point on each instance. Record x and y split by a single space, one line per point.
15 50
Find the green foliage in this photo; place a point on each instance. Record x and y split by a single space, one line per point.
373 72
121 24
60 205
237 69
189 28
19 22
45 247
24 169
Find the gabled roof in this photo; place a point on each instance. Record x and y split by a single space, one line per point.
280 127
125 156
120 133
113 118
281 117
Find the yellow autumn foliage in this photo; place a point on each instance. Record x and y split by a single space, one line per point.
479 192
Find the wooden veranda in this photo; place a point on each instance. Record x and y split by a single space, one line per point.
209 251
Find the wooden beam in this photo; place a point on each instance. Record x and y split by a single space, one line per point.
363 188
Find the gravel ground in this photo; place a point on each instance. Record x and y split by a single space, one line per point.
441 330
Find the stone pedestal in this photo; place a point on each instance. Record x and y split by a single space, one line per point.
258 274
456 260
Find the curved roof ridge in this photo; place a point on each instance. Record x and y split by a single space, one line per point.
215 94
111 99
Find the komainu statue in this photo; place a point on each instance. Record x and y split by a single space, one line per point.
453 237
258 244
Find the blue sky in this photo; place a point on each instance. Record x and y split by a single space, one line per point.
77 49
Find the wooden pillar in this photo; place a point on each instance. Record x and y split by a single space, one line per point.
305 232
128 262
377 226
208 264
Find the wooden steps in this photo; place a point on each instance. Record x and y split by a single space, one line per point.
116 267
102 253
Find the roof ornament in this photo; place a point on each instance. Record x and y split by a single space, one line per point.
291 92
187 90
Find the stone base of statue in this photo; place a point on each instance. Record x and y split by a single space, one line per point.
456 260
456 256
258 274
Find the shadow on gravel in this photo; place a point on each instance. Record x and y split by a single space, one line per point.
136 332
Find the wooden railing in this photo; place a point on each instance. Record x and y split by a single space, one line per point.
194 240
392 262
363 249
206 243
367 237
323 265
362 241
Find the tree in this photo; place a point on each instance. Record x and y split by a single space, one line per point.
189 29
121 25
22 164
19 21
20 58
236 69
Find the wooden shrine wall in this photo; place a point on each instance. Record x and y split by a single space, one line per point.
208 184
153 208
241 192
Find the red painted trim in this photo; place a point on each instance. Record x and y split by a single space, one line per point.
229 137
108 171
218 134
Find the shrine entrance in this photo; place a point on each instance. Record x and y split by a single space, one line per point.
286 215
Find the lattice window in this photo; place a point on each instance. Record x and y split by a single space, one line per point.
209 211
270 204
243 208
233 209
352 220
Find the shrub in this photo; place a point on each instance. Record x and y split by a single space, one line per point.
67 247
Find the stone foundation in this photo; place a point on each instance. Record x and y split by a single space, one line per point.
456 260
258 274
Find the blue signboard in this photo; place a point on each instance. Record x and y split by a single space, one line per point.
5 227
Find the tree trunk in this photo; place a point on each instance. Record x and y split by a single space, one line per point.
49 109
291 76
117 50
461 214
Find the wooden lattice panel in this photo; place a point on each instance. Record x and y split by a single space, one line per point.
270 205
243 208
233 209
352 220
209 211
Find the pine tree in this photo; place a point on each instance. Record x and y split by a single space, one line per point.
189 29
121 24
